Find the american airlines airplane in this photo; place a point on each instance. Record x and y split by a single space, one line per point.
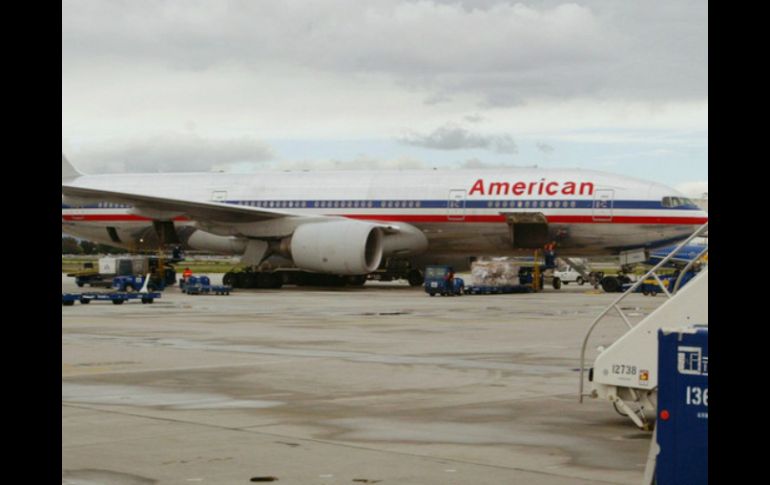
349 222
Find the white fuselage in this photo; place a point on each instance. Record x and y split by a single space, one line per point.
461 212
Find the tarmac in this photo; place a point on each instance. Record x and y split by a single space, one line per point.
379 384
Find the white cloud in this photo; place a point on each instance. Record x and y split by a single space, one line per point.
452 136
598 73
507 53
167 152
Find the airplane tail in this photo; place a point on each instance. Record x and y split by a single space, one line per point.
67 170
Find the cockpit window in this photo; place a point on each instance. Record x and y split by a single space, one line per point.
677 202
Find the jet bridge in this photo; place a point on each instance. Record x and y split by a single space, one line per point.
626 372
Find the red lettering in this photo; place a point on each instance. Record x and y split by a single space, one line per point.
587 185
499 186
532 188
478 186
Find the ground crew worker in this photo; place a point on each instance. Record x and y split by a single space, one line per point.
186 275
550 255
448 277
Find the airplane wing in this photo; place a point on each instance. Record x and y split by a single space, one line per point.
165 208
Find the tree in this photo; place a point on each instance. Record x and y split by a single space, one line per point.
88 247
105 249
69 245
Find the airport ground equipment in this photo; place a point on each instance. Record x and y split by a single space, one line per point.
569 275
685 257
439 280
201 285
130 283
497 290
116 297
626 372
275 278
615 283
679 449
111 266
579 266
650 286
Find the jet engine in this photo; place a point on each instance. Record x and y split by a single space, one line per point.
205 241
343 247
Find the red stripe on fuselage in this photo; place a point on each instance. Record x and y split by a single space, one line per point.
558 219
555 219
112 218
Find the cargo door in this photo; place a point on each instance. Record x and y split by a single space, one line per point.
604 199
456 205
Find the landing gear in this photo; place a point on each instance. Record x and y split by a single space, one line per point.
252 279
358 280
610 284
415 278
274 279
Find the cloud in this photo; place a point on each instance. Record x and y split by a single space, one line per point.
507 53
452 136
168 152
545 147
322 77
361 162
475 163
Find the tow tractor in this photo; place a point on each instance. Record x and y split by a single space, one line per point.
441 280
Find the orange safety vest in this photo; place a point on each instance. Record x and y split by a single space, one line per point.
187 273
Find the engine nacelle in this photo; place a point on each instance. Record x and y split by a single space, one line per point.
338 247
206 241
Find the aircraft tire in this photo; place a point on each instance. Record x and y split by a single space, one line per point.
610 284
415 278
358 280
227 279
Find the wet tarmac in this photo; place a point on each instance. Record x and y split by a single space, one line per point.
380 384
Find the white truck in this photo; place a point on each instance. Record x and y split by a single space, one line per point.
568 276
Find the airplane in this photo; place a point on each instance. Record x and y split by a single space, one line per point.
349 223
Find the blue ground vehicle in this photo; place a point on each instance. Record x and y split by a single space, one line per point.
441 280
201 285
136 282
117 298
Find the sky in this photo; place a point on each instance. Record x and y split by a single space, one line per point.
242 86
